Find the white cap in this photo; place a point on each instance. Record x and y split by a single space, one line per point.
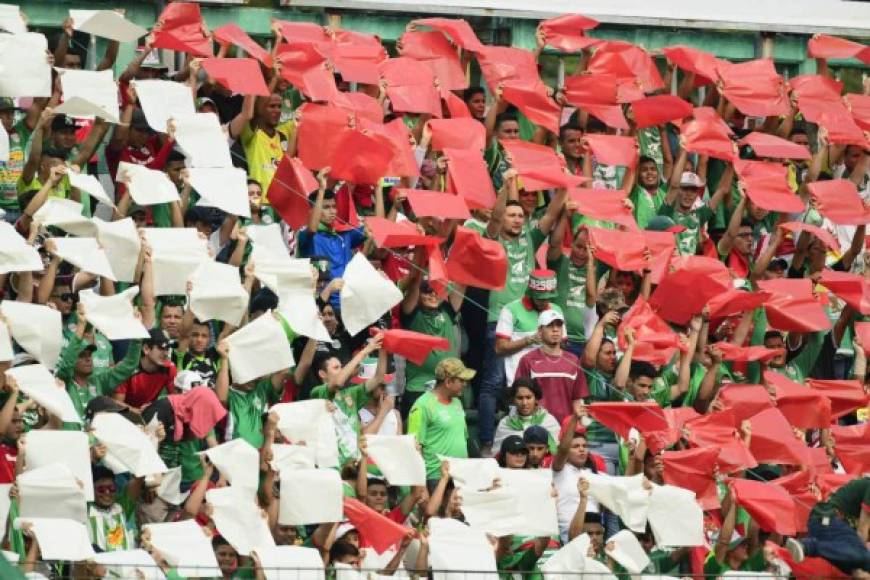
549 316
186 380
689 179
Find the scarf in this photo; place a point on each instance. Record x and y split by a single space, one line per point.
199 408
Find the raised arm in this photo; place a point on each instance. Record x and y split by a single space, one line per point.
726 242
508 191
317 210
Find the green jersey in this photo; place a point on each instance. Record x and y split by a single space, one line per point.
694 220
649 140
11 169
571 287
246 410
440 322
347 426
646 204
440 429
521 261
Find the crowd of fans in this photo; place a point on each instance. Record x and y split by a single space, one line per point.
654 275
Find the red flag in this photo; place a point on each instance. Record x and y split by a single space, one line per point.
845 396
853 289
841 127
659 109
769 505
410 87
792 306
823 235
437 271
435 52
398 138
745 400
735 301
693 469
586 89
238 75
828 483
824 46
850 447
436 204
535 103
773 440
379 531
320 130
361 105
565 32
613 149
289 190
390 234
621 417
604 204
859 106
804 408
529 159
414 346
838 200
703 64
455 106
610 115
508 65
691 282
464 133
816 88
468 252
767 186
357 63
620 250
658 441
180 27
630 63
361 158
458 30
708 136
862 332
661 246
765 145
303 66
231 33
732 352
717 430
754 87
470 178
302 32
656 342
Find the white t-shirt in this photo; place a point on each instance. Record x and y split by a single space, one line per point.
568 498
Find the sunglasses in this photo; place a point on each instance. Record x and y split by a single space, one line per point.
109 488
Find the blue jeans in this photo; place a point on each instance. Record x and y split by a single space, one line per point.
491 387
838 543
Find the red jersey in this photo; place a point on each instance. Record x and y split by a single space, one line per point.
561 380
144 388
8 457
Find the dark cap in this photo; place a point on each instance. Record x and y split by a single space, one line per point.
62 122
513 444
536 435
159 338
102 405
139 122
778 264
88 348
6 103
426 288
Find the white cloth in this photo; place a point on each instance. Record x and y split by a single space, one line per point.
217 293
59 538
366 295
473 474
202 140
569 559
6 353
146 186
185 546
259 348
36 329
122 245
4 144
130 564
90 185
239 519
24 65
534 503
11 20
51 491
239 462
114 315
163 100
39 384
397 458
128 446
85 254
625 548
290 457
169 489
106 24
65 214
70 448
455 549
675 517
96 90
16 255
310 496
5 504
225 188
311 423
175 254
293 282
291 563
624 496
567 497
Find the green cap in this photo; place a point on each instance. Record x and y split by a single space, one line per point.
453 368
542 285
7 103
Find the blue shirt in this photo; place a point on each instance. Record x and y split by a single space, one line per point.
337 247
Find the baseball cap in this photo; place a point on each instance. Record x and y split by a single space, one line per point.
139 122
7 103
158 337
663 223
63 122
367 369
549 316
542 284
611 299
536 435
513 444
450 368
689 179
186 380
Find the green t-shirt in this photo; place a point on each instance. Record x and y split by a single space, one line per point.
349 401
647 206
713 568
851 500
689 240
440 429
649 140
601 389
571 287
441 323
11 170
476 225
186 454
246 410
521 261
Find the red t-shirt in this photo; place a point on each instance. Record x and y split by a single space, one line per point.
144 388
561 380
8 456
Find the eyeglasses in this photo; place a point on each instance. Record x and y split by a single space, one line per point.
108 488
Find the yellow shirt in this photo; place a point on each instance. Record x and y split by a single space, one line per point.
264 152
